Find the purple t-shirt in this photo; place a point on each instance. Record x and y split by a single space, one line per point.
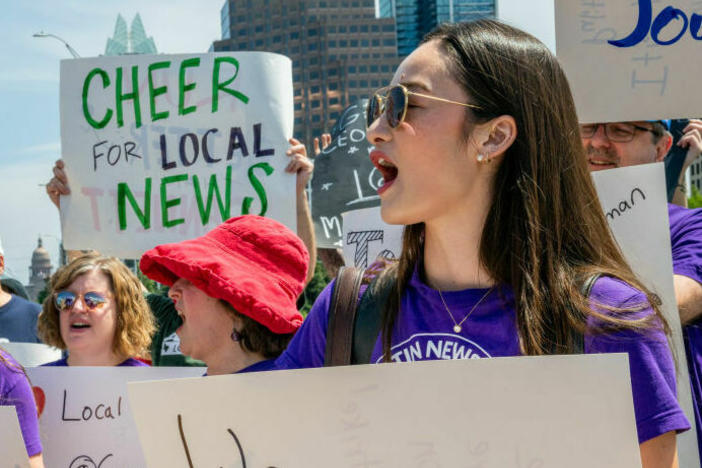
686 247
130 362
16 390
424 331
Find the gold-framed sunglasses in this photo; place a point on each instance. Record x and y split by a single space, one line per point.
393 101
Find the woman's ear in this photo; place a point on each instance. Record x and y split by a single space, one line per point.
498 136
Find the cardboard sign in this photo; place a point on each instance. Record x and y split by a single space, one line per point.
344 178
631 60
32 354
367 237
493 412
162 148
14 453
634 201
84 414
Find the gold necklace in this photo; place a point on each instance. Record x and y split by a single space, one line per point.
457 326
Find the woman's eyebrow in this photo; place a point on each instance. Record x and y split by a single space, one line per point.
415 86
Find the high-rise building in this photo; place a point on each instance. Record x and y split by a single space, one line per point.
695 174
132 41
340 51
415 18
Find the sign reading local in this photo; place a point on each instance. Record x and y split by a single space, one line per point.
160 148
85 419
636 54
344 177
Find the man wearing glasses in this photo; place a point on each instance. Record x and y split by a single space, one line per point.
621 144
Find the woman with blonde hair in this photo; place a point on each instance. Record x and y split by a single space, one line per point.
96 310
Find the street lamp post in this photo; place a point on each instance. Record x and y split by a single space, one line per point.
70 49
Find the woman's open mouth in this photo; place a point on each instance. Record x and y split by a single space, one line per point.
387 169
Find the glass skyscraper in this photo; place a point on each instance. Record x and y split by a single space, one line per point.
415 18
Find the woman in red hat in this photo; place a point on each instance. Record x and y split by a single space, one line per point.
236 290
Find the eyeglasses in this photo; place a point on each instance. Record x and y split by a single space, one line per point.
393 100
619 132
65 300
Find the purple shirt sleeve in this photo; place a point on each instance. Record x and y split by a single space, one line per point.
651 365
15 390
307 347
686 241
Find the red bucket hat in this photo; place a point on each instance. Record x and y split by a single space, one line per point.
255 264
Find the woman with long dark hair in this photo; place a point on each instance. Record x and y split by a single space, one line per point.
478 142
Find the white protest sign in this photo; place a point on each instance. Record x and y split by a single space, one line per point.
84 415
14 453
367 236
522 14
162 148
634 201
483 412
32 354
631 60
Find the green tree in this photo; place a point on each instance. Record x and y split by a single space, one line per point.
43 293
318 282
695 200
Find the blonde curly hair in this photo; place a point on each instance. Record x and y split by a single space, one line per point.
135 323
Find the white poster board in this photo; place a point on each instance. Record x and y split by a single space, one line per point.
85 416
631 60
634 201
32 354
14 453
484 412
162 148
366 237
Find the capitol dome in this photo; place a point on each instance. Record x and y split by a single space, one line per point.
40 257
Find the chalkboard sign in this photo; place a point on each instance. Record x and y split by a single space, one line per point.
344 178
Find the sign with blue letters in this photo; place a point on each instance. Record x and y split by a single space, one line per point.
631 60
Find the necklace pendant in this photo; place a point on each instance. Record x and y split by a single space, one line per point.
457 328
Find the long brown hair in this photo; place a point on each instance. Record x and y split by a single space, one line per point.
545 232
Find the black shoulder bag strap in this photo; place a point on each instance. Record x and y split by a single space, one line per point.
342 316
579 338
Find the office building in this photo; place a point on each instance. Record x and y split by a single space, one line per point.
415 18
339 50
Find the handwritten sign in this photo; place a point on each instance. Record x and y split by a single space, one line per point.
344 178
634 201
32 354
161 148
367 237
494 412
14 453
635 54
84 414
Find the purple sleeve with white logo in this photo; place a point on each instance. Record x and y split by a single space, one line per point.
16 391
651 365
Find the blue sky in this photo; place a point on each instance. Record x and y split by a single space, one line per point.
29 95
